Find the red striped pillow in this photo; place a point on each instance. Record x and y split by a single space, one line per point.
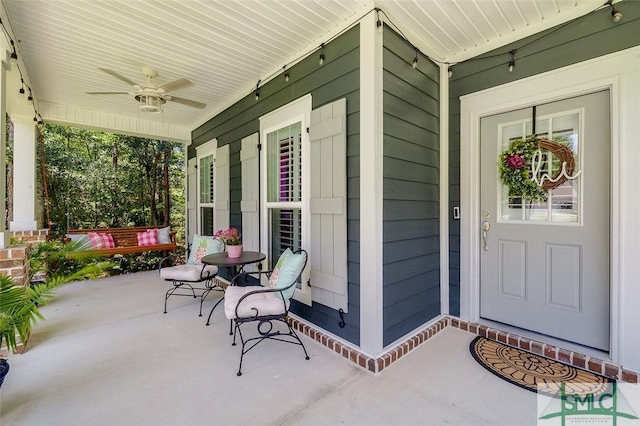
148 238
100 240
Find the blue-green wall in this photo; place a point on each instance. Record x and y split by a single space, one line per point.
411 247
338 78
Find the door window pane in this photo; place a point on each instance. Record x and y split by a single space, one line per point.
562 203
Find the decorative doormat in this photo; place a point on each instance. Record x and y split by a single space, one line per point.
534 372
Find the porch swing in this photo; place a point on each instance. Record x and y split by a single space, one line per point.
110 241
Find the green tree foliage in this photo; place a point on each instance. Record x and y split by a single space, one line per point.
97 179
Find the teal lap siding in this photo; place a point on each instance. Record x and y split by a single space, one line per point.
338 78
411 247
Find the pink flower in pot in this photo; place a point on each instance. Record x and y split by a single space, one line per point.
231 238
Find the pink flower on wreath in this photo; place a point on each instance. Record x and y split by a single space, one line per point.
515 161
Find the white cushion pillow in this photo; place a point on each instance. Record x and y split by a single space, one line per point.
80 241
164 236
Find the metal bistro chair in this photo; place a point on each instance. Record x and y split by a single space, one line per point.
185 277
265 304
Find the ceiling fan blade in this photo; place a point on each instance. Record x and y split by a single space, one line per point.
176 84
187 102
107 93
118 76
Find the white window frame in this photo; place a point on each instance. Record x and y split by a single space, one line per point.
294 112
205 150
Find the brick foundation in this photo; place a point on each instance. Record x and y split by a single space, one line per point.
377 365
31 237
374 365
14 263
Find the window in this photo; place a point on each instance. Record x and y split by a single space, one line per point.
284 153
563 202
206 185
285 186
304 188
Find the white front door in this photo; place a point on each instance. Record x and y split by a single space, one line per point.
545 264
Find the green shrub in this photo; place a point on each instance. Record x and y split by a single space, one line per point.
52 257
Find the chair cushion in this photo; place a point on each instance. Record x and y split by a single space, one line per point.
203 245
148 237
187 272
264 303
287 269
99 240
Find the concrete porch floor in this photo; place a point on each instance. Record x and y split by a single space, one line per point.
107 355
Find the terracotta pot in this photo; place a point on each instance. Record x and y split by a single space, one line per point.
234 251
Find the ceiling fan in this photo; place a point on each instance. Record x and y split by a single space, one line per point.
151 97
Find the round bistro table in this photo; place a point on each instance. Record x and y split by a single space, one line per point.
234 265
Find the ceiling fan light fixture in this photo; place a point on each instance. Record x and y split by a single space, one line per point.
149 96
150 103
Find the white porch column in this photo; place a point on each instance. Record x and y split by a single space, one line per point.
371 161
4 235
24 174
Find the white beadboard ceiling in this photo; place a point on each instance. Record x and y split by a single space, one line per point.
224 47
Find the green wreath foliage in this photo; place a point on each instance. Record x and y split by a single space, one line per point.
514 167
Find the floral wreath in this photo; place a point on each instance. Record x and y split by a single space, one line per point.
516 171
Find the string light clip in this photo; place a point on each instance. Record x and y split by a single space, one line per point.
378 21
13 59
616 15
512 62
257 92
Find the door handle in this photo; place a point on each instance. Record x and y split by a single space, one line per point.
485 230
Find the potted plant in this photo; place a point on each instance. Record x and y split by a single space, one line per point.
231 238
19 305
19 312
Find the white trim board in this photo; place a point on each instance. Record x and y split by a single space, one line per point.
620 73
444 189
371 185
112 123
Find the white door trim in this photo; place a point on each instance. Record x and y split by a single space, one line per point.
615 72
